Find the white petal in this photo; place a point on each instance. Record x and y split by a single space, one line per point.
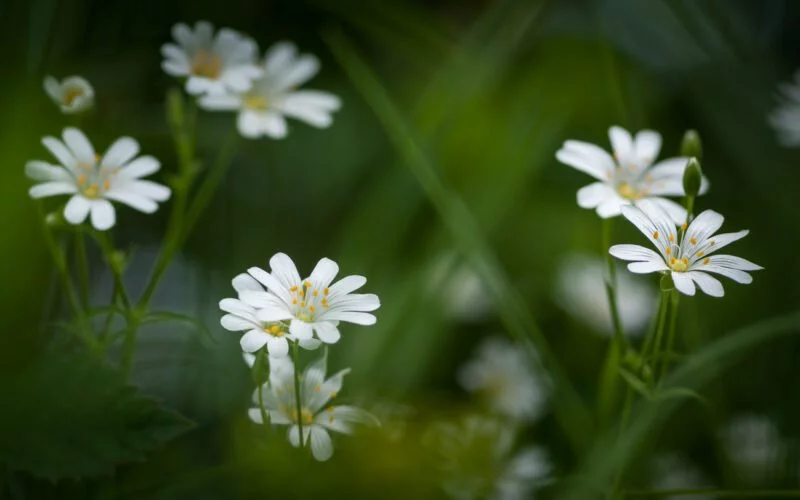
277 347
271 314
704 225
149 189
734 274
237 307
612 206
324 272
676 212
103 215
647 145
594 194
635 253
42 171
140 167
358 318
321 445
294 435
300 329
222 102
272 284
60 151
274 125
343 416
77 209
355 302
245 282
255 415
259 298
709 285
622 143
733 262
53 88
310 108
647 267
253 340
346 285
121 152
725 239
587 158
309 344
284 270
327 332
683 283
80 146
51 189
133 200
278 57
234 323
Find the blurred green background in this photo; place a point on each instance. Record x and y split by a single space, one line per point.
490 90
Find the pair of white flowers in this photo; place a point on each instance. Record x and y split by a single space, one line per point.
629 184
222 70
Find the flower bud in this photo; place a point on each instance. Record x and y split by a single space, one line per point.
691 144
692 177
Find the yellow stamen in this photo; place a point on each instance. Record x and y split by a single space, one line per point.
684 226
672 238
293 289
627 191
317 388
72 94
669 250
655 235
326 291
81 180
315 293
706 260
700 254
693 241
311 308
255 102
294 301
206 64
333 394
107 184
307 284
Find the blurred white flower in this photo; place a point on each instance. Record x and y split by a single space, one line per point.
314 413
627 176
459 288
73 94
93 180
754 446
502 373
689 258
312 305
263 108
477 460
244 318
785 119
580 289
212 64
670 472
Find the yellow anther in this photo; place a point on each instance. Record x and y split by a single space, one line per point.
317 388
294 301
293 289
315 293
706 260
700 254
326 291
333 394
91 191
311 308
255 102
669 250
275 329
711 243
303 304
325 303
206 64
330 419
107 184
655 235
672 238
81 180
307 284
684 226
685 260
693 241
330 409
672 260
627 191
678 265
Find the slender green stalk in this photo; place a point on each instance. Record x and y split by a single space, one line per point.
257 366
716 493
675 298
609 379
662 319
626 413
81 262
116 270
611 281
298 411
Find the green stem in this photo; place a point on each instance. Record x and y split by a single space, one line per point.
611 281
116 270
662 317
298 412
609 379
675 298
717 493
81 261
626 413
257 366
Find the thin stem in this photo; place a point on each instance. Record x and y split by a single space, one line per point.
675 298
610 372
109 254
626 413
81 261
662 317
717 493
257 366
611 281
298 412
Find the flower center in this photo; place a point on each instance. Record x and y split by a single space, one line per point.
93 180
308 301
275 329
679 265
306 416
629 192
71 94
256 102
206 64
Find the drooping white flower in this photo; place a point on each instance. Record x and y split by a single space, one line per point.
212 64
477 460
93 180
273 97
580 289
315 413
785 119
311 306
503 374
754 446
73 94
629 175
242 317
671 472
687 256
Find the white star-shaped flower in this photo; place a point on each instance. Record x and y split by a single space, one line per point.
263 108
242 317
629 175
93 180
212 64
786 117
73 94
501 372
311 306
687 256
315 413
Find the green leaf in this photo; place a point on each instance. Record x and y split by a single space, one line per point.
206 337
679 392
636 383
71 415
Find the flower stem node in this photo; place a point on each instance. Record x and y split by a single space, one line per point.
691 145
692 177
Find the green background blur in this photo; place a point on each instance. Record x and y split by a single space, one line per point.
491 89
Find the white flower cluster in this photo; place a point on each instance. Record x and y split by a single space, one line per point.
223 71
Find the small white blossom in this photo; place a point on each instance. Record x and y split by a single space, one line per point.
477 460
503 374
73 94
316 415
755 446
242 317
93 180
627 176
311 306
685 255
212 64
580 289
786 117
263 108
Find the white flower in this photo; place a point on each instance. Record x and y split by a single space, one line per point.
312 306
263 108
242 317
317 417
786 117
93 180
627 176
477 460
755 446
687 258
73 94
580 289
213 65
502 372
671 472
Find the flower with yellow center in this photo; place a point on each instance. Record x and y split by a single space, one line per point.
628 175
73 94
685 252
316 413
213 64
94 180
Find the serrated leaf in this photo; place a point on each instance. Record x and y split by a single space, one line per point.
71 415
